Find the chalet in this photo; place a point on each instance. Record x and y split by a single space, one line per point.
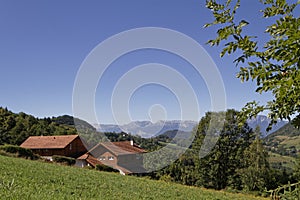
124 156
63 145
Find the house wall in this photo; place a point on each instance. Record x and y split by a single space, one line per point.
107 161
81 163
49 152
75 149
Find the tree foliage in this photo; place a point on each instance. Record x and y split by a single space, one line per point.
273 64
255 174
218 168
16 128
223 166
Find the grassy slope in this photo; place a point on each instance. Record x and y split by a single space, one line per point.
286 136
281 141
24 179
286 161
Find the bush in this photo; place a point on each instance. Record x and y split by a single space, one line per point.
64 160
106 168
4 153
19 152
89 167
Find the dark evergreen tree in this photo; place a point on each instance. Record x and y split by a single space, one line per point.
256 172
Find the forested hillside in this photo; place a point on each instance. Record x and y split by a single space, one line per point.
15 128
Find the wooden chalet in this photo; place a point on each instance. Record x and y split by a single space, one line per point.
124 156
63 145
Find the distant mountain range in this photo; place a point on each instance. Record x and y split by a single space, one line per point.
263 122
148 129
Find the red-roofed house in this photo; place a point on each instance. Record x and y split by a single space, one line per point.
124 156
63 145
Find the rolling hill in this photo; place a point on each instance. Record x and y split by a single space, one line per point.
284 146
25 179
285 141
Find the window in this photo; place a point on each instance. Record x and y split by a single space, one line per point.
111 158
102 158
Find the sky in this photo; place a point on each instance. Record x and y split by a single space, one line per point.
43 46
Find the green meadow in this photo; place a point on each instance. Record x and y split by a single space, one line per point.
26 179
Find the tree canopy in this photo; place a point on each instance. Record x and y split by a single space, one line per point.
273 64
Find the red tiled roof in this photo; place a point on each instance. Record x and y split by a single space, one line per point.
90 159
48 142
121 148
83 157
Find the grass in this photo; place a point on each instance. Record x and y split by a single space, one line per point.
287 162
25 179
292 141
274 157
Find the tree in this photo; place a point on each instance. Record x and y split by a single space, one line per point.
218 168
273 64
296 171
256 172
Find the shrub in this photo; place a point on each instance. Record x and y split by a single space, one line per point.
19 152
89 167
106 168
4 153
63 159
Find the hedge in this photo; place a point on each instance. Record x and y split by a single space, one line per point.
106 168
63 159
19 151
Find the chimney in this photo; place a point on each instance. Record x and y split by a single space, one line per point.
131 142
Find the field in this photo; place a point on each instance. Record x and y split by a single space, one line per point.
25 179
286 161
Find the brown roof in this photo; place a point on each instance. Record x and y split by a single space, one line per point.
121 148
90 159
48 142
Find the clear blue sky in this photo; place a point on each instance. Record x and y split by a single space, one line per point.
43 43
